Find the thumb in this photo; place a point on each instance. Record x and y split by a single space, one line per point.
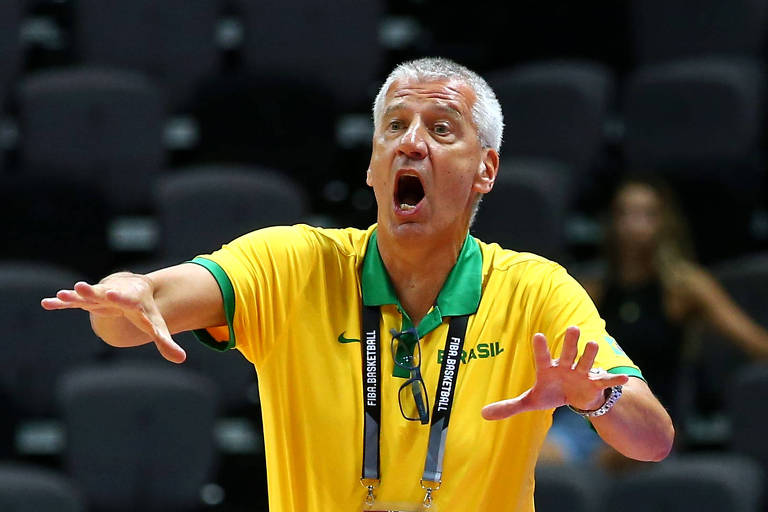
167 347
506 408
171 350
165 344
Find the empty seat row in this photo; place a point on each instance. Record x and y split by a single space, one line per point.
690 483
42 346
137 438
676 116
174 41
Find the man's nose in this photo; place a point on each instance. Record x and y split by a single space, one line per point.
412 143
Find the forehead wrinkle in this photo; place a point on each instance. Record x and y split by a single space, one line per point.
443 107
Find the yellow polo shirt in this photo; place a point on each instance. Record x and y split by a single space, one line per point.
293 297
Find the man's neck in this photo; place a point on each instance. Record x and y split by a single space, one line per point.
418 271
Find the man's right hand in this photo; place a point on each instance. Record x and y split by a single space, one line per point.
123 298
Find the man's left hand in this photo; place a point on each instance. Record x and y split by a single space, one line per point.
563 381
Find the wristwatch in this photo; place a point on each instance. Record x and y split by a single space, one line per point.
612 396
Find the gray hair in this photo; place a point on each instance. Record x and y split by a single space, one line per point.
486 112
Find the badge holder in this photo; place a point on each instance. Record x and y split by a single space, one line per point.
427 505
370 499
429 500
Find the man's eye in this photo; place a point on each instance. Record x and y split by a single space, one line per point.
442 129
395 125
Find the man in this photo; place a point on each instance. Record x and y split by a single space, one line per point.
368 342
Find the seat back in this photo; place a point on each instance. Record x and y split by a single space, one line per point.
526 209
139 437
98 126
555 110
204 207
30 489
39 345
173 41
702 483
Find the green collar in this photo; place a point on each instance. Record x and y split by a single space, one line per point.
460 294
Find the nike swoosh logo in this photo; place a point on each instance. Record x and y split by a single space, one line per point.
342 339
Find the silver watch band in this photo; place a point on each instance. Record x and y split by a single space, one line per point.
610 400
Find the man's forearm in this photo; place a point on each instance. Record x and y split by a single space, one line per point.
638 426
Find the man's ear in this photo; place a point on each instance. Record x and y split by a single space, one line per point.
487 171
368 177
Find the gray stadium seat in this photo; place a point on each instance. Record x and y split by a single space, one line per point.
716 360
526 209
701 483
234 376
572 488
38 345
554 110
345 52
139 438
748 411
94 125
693 111
173 41
698 124
668 30
204 207
26 488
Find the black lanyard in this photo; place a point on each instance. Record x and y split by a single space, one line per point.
441 412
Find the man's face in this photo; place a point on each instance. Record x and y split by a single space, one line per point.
427 163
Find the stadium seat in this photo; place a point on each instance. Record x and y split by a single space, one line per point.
698 124
204 207
262 120
747 406
526 209
173 41
693 111
139 438
702 483
569 487
667 30
97 126
716 360
39 346
345 52
555 110
234 376
25 488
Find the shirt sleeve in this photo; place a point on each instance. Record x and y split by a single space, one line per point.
566 303
259 275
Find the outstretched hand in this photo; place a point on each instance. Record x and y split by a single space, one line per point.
122 295
563 381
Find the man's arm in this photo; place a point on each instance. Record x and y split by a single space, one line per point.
637 426
131 309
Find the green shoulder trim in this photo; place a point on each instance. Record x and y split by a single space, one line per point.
228 295
628 370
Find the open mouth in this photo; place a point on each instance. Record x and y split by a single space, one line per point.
408 192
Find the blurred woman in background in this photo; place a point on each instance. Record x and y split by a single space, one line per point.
650 290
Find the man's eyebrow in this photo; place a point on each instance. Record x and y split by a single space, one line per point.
448 109
394 108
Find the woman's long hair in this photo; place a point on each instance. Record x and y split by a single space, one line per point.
674 251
